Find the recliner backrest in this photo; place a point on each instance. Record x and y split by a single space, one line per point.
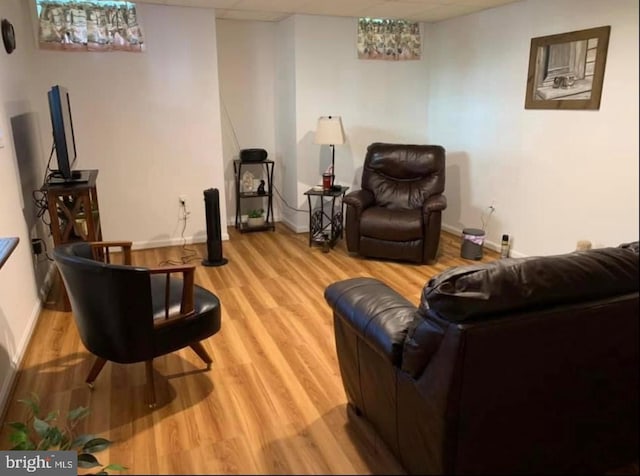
111 303
403 176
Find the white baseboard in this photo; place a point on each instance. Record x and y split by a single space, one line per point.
487 243
16 360
295 228
189 240
458 232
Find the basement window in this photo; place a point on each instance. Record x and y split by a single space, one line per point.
88 25
388 39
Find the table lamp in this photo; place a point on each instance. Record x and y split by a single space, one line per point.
329 132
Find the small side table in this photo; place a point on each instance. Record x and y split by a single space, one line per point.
325 223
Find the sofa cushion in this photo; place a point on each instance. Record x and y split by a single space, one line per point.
469 292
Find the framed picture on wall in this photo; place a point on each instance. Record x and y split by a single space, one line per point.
566 71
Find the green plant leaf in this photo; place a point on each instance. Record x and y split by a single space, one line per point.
32 403
20 440
18 426
115 467
64 442
86 460
78 413
96 445
54 435
18 437
24 446
80 441
44 445
40 426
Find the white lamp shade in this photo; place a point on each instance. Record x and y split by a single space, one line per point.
329 130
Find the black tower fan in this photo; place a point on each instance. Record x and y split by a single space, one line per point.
214 232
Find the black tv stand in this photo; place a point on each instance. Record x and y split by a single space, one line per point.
77 176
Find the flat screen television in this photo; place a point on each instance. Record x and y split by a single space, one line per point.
64 140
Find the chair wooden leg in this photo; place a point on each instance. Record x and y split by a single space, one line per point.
95 370
199 349
150 388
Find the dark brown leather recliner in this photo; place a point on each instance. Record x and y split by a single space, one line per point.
398 211
128 314
517 366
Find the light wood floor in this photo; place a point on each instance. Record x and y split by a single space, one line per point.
273 402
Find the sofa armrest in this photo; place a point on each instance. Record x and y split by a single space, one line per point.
359 199
376 313
423 341
435 203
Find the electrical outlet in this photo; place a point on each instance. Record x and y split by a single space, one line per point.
183 200
36 246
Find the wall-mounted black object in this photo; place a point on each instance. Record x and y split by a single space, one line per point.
214 232
36 246
8 36
253 155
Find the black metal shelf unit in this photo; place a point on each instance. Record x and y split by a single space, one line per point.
265 167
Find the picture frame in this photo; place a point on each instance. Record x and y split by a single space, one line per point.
566 71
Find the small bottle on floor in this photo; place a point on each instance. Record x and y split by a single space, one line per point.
504 247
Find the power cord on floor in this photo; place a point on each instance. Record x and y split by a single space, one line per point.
285 202
189 254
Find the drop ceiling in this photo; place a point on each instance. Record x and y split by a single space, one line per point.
276 10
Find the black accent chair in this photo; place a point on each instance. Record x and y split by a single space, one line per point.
397 213
129 314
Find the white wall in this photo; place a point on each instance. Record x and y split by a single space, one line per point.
150 122
19 302
285 124
317 73
379 101
555 176
247 63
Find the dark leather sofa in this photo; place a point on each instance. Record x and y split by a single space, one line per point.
397 212
517 366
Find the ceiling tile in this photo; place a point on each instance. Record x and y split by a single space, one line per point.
393 10
427 2
251 15
275 10
484 4
194 3
443 12
288 6
344 8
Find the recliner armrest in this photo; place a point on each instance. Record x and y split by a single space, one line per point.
359 199
434 203
377 313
